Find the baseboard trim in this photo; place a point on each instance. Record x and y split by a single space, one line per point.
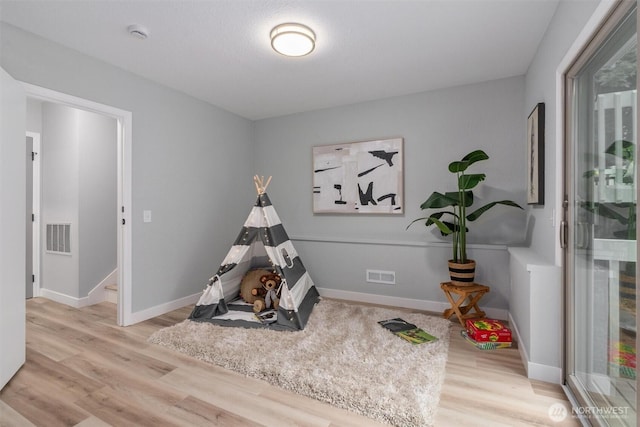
158 310
96 295
63 298
416 304
546 373
535 371
522 349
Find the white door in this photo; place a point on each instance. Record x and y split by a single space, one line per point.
12 226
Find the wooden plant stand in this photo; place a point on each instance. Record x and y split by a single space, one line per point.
472 293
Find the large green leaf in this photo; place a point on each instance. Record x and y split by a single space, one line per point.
475 156
454 195
436 216
467 182
442 226
475 214
414 221
468 160
627 149
445 227
438 200
458 166
453 227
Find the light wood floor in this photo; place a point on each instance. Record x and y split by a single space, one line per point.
82 370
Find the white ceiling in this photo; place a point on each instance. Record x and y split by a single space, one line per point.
219 50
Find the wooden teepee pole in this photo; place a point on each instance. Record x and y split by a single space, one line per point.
261 186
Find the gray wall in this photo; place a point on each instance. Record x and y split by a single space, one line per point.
192 164
541 86
59 202
97 199
437 127
34 115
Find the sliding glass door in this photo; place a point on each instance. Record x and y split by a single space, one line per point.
601 196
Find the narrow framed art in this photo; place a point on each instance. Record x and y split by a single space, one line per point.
535 156
359 177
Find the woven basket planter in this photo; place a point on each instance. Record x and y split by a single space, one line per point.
462 274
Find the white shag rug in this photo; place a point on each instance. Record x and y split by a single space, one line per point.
342 357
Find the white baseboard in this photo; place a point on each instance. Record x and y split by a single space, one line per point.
158 310
535 371
416 304
139 316
64 299
96 295
522 348
434 306
546 373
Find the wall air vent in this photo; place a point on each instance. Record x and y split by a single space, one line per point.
384 277
59 239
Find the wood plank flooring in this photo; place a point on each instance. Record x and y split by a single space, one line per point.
83 370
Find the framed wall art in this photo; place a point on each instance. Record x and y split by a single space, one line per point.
359 177
535 156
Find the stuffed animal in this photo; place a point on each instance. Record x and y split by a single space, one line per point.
270 283
252 290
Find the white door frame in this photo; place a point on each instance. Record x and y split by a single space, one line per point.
35 208
124 120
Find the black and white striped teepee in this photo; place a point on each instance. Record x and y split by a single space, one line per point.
262 243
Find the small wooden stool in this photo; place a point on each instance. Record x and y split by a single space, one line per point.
472 292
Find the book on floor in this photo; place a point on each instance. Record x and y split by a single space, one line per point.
407 331
484 345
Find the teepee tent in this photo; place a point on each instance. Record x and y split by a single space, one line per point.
262 243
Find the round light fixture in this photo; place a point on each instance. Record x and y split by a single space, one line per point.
292 39
138 31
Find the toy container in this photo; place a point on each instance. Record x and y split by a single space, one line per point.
488 330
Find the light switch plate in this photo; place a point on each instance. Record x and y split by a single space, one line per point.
146 216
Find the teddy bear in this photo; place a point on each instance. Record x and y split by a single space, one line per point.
270 283
259 287
252 290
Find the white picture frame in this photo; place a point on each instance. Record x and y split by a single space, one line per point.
359 177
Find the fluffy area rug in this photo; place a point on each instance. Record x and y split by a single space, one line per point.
342 357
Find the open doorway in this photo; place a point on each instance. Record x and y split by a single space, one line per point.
78 213
120 120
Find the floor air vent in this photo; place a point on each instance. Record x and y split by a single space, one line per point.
59 238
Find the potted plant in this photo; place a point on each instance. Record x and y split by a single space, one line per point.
454 222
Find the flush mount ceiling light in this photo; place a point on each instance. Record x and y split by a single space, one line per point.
138 31
292 39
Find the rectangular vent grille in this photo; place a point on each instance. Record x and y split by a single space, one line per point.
59 238
379 276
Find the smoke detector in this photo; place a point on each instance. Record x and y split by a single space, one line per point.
138 31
